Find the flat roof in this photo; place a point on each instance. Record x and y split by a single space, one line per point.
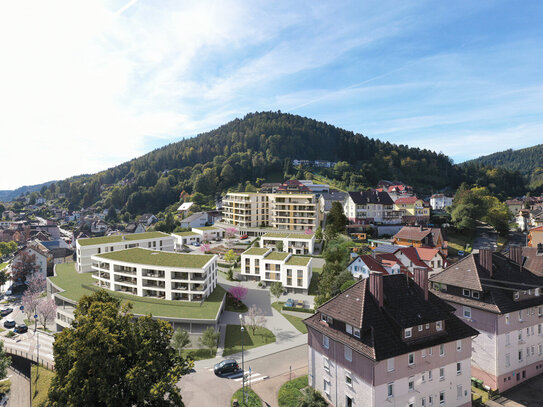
158 258
208 228
256 251
277 256
119 238
186 233
76 285
298 261
289 235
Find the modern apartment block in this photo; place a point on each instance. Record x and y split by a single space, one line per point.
388 341
296 243
155 274
502 299
268 266
85 248
283 211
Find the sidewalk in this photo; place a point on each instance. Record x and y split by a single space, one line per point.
268 389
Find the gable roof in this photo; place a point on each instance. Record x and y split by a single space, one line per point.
411 254
416 233
427 253
406 200
372 264
371 196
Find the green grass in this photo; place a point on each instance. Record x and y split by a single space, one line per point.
158 258
77 285
119 238
295 321
233 306
3 266
277 256
458 241
298 261
313 285
40 382
199 354
232 342
256 251
252 398
289 393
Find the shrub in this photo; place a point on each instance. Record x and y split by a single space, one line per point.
289 393
306 310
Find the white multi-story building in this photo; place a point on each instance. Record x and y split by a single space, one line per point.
185 238
387 341
208 233
268 266
371 206
151 273
440 201
296 243
85 248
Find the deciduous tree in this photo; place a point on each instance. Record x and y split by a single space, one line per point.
46 311
238 292
180 340
255 318
209 338
24 266
276 289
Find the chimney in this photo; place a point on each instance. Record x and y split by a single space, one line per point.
420 228
376 287
515 254
485 260
421 279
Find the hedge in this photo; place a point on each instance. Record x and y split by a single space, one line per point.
306 310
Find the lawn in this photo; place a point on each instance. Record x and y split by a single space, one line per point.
76 285
313 285
480 392
199 354
232 342
40 382
3 266
252 398
458 241
289 393
232 305
295 321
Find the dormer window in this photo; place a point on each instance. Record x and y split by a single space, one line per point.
408 333
475 294
356 332
439 325
517 295
349 329
323 317
466 292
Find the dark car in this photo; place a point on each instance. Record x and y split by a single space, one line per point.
20 328
226 366
9 324
6 311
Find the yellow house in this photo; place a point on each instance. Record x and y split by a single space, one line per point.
412 206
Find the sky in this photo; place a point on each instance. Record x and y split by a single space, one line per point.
87 85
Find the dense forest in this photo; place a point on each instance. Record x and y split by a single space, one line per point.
242 154
527 161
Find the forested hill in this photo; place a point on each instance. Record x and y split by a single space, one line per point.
246 152
527 161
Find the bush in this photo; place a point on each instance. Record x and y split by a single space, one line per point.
10 334
225 265
260 284
5 386
289 393
306 310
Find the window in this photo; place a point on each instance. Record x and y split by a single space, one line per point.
348 378
520 335
430 375
507 319
348 353
423 353
442 398
408 332
349 329
540 310
467 312
427 326
517 295
439 325
348 401
423 377
420 328
327 387
429 351
458 367
390 390
539 329
411 384
356 332
459 345
323 317
441 373
458 392
326 364
411 359
423 402
430 400
520 355
520 315
441 350
325 342
390 365
465 292
507 360
507 339
475 294
539 349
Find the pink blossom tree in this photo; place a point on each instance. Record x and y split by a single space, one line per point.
36 283
46 311
238 292
30 301
205 247
230 232
308 231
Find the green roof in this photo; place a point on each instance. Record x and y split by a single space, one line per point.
76 285
157 258
256 251
298 261
186 234
118 238
277 256
289 235
208 228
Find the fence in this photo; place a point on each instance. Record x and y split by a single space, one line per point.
30 356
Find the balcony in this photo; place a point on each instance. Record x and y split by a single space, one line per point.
197 287
153 273
180 297
126 281
198 277
123 289
153 294
154 284
125 270
180 276
180 287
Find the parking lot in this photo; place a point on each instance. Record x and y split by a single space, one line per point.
526 394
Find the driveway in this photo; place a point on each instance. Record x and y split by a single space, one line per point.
486 237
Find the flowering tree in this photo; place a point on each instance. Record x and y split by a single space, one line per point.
30 301
230 232
36 283
46 311
255 318
308 231
205 247
238 292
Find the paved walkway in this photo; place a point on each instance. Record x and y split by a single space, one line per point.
269 389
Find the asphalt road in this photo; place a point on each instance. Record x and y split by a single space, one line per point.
486 237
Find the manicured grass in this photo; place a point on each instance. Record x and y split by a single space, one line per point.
295 321
40 382
157 258
313 285
289 393
252 398
232 342
458 241
119 238
76 285
3 265
232 305
199 354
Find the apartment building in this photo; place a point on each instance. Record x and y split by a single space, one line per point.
388 341
268 266
295 243
283 211
439 202
502 299
208 233
85 248
155 274
412 209
185 238
371 206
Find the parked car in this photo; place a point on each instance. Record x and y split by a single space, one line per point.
243 237
461 253
299 304
289 303
20 328
9 324
6 311
197 244
226 366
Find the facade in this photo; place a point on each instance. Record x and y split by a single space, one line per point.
419 236
296 243
412 208
155 274
85 248
388 341
185 238
502 299
283 211
208 233
362 266
199 219
535 236
268 266
514 205
41 257
439 202
371 207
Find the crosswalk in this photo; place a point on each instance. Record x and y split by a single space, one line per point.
250 377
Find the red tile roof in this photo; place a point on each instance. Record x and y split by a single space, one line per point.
426 253
411 254
406 200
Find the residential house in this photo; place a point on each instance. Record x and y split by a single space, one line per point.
296 243
148 219
327 198
184 209
185 238
41 257
413 210
514 205
502 299
432 257
362 266
268 267
529 218
134 228
195 220
535 236
419 236
315 188
410 259
209 233
98 227
388 341
371 206
439 202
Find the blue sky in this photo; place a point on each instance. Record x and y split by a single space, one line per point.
87 86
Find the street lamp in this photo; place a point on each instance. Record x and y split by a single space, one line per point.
242 360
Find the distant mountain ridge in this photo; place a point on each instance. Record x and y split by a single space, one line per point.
7 195
524 160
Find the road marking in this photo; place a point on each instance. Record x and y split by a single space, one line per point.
254 378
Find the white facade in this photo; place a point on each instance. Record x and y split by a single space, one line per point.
196 220
209 233
40 260
186 238
292 242
375 212
85 248
440 202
